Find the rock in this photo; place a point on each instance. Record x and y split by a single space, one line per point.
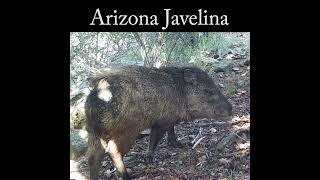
246 62
78 143
144 133
229 56
213 130
108 173
235 69
222 66
77 117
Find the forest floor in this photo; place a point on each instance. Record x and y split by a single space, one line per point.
223 153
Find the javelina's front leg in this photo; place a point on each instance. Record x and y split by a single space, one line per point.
172 139
156 134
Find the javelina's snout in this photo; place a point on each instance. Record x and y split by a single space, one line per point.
223 111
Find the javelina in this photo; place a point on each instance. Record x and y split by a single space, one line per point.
128 99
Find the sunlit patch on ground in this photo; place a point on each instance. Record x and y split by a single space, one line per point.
74 171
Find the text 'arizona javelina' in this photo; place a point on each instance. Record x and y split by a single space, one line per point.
128 99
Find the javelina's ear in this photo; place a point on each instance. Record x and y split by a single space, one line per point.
189 76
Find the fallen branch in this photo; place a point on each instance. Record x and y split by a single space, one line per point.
238 136
194 146
219 123
205 124
240 121
230 139
198 136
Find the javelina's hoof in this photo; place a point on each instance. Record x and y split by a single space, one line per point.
123 177
175 144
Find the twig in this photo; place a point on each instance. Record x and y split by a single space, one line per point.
219 123
238 136
199 163
198 142
198 136
237 153
206 124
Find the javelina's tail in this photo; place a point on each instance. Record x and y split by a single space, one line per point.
93 125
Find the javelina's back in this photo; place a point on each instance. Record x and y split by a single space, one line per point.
128 99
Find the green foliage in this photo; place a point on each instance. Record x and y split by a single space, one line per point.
182 158
231 90
90 51
245 79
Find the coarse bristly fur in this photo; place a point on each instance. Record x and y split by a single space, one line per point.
128 99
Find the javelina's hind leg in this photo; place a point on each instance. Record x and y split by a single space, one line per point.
172 139
96 154
156 135
117 159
